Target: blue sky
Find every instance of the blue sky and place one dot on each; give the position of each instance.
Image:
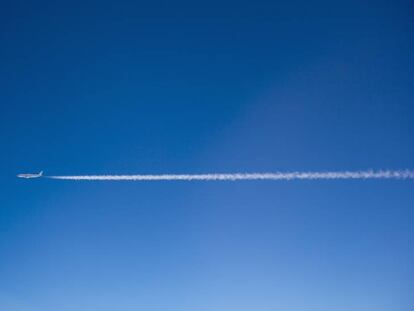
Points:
(187, 87)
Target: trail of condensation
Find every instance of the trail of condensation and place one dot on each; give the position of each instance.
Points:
(382, 174)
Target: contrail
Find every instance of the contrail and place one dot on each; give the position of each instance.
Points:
(369, 174)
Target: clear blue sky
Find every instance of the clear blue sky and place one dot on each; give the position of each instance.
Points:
(190, 87)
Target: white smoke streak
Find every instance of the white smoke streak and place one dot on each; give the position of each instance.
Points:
(382, 174)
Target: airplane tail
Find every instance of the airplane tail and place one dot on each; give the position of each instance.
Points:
(41, 173)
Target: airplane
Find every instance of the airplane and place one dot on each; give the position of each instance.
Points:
(30, 175)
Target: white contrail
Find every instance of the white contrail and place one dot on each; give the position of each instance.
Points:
(369, 174)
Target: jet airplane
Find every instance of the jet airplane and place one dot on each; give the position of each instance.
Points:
(30, 175)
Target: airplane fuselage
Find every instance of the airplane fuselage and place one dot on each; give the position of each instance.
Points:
(30, 175)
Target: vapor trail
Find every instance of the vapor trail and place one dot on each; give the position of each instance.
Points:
(369, 174)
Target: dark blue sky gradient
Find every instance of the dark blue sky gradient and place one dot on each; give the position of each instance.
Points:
(187, 87)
